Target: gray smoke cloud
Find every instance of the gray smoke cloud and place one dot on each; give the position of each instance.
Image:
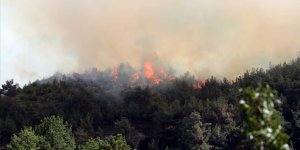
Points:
(220, 38)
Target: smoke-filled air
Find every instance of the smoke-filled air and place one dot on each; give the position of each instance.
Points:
(150, 75)
(205, 38)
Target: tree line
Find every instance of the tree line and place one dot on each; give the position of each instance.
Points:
(167, 116)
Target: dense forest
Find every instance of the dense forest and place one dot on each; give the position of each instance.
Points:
(158, 116)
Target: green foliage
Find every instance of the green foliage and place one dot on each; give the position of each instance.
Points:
(9, 89)
(117, 142)
(81, 135)
(95, 144)
(156, 113)
(262, 122)
(124, 126)
(296, 114)
(57, 133)
(51, 134)
(26, 139)
(195, 134)
(84, 130)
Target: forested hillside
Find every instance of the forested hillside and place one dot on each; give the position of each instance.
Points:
(151, 117)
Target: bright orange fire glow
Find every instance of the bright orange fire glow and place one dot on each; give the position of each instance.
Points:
(149, 73)
(152, 71)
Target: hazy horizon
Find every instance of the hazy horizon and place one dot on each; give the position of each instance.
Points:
(219, 38)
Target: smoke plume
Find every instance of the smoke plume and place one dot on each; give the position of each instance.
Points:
(220, 38)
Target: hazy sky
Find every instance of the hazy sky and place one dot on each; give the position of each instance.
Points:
(205, 37)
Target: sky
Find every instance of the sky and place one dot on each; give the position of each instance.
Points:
(222, 38)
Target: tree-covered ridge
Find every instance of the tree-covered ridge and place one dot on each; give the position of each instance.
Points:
(175, 115)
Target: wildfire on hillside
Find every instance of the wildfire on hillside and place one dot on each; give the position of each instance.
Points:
(151, 73)
(199, 85)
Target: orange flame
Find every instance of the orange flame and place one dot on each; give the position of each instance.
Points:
(155, 75)
(149, 73)
(199, 85)
(152, 73)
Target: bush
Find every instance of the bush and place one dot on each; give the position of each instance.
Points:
(51, 134)
(25, 139)
(57, 133)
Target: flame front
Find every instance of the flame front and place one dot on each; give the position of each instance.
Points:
(151, 73)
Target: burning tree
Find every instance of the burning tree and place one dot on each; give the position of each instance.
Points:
(151, 73)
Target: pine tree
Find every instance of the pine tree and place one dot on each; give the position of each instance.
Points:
(195, 134)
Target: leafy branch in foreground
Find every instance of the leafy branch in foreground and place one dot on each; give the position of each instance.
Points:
(262, 123)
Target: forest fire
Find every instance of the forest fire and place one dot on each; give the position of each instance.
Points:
(200, 84)
(149, 70)
(155, 74)
(151, 73)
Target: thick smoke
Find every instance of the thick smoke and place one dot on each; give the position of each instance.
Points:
(220, 38)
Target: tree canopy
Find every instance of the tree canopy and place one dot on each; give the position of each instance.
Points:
(153, 117)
